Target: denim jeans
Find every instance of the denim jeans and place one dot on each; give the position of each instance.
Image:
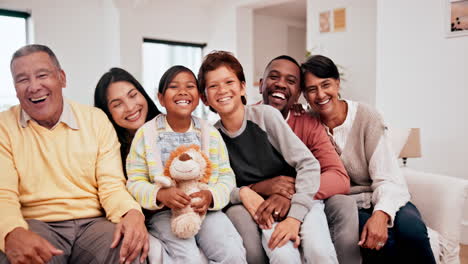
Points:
(168, 141)
(407, 240)
(316, 244)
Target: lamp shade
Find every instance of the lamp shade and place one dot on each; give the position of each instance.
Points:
(412, 147)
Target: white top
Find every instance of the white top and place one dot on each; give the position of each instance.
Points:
(390, 191)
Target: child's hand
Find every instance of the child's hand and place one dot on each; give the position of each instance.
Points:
(251, 201)
(285, 231)
(201, 205)
(173, 198)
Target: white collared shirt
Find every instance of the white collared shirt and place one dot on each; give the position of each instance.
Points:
(67, 117)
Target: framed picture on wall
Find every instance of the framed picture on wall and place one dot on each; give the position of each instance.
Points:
(456, 18)
(324, 22)
(339, 19)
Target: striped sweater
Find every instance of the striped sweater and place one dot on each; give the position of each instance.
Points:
(144, 164)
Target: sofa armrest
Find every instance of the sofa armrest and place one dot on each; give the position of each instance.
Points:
(440, 199)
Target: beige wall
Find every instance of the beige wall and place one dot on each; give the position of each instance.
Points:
(82, 34)
(273, 37)
(353, 49)
(423, 82)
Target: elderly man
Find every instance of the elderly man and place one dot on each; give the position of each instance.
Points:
(62, 175)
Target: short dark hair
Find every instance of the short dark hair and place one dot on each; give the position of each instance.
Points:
(321, 66)
(170, 74)
(213, 61)
(100, 101)
(291, 59)
(284, 57)
(33, 48)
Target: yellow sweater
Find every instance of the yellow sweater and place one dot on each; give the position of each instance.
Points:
(60, 174)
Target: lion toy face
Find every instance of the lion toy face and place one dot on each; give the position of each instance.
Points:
(189, 170)
(190, 165)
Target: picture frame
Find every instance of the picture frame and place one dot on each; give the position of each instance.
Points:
(456, 18)
(325, 22)
(332, 20)
(339, 19)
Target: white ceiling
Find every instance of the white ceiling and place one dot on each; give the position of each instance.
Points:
(296, 10)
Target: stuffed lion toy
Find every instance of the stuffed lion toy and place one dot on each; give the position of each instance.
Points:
(188, 169)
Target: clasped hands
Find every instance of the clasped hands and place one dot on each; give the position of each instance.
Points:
(279, 191)
(175, 198)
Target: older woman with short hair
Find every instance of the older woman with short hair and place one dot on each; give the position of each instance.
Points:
(391, 228)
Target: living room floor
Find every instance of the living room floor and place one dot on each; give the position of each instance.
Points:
(464, 254)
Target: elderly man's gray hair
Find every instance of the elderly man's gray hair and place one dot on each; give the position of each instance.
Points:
(33, 48)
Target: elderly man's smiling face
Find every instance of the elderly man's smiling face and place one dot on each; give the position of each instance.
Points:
(280, 85)
(38, 83)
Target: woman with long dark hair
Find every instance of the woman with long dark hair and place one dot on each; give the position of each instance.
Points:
(126, 104)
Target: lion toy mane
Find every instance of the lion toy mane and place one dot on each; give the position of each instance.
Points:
(188, 169)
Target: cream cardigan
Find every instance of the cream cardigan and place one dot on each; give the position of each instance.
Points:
(376, 178)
